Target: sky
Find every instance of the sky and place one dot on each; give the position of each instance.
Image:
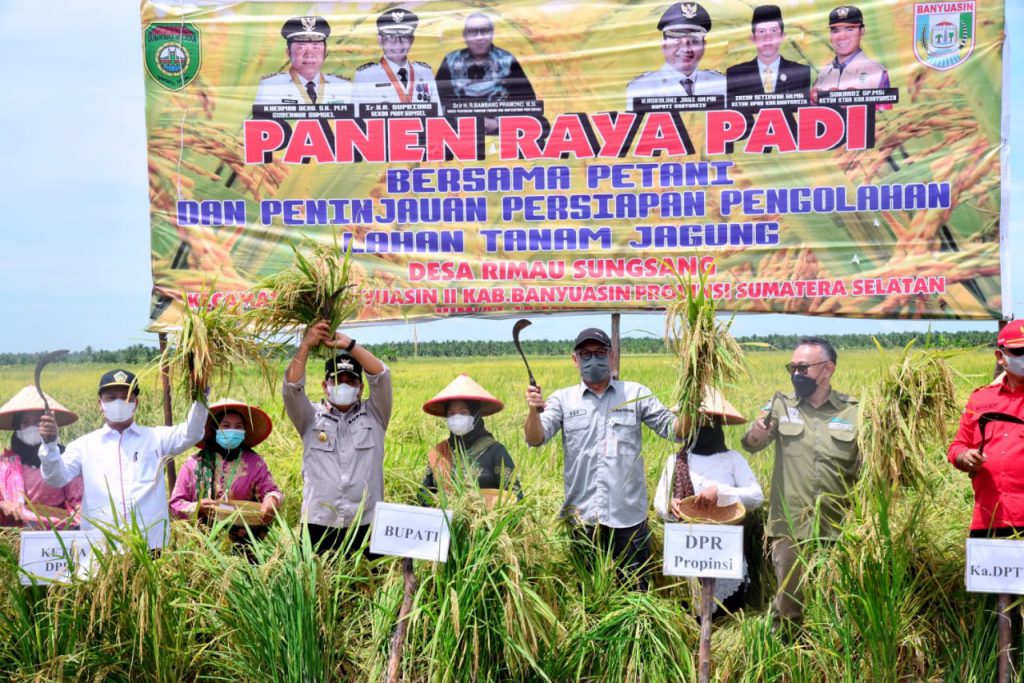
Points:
(74, 267)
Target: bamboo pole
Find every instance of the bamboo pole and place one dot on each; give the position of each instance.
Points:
(398, 638)
(165, 380)
(707, 608)
(616, 323)
(1004, 637)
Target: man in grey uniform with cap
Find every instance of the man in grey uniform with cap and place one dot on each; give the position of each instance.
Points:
(684, 27)
(304, 82)
(394, 78)
(605, 479)
(342, 439)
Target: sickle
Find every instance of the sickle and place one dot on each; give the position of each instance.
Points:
(42, 363)
(516, 329)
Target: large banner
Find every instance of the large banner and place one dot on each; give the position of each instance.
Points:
(495, 158)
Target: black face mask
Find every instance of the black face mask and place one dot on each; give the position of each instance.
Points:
(804, 385)
(710, 440)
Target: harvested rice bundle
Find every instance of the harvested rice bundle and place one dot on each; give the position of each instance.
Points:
(708, 355)
(318, 287)
(213, 341)
(908, 411)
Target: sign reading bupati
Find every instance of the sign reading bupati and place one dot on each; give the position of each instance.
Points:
(703, 550)
(410, 531)
(51, 556)
(995, 566)
(541, 157)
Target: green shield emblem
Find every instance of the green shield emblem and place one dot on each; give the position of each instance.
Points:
(172, 54)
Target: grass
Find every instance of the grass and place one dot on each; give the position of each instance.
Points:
(511, 603)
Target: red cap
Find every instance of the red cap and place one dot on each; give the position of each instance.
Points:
(1012, 335)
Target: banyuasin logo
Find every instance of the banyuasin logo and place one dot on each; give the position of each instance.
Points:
(943, 33)
(172, 54)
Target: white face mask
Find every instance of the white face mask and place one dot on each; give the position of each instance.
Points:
(30, 435)
(460, 424)
(118, 410)
(1014, 365)
(343, 394)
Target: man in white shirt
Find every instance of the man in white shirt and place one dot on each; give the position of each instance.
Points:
(684, 28)
(121, 463)
(305, 82)
(394, 78)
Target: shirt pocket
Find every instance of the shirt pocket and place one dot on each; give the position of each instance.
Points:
(844, 438)
(790, 430)
(361, 431)
(324, 436)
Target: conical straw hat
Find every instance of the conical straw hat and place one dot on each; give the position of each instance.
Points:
(28, 400)
(257, 423)
(725, 514)
(714, 403)
(463, 388)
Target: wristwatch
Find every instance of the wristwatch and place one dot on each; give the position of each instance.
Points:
(351, 345)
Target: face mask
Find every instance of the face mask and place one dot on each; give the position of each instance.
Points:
(460, 424)
(803, 385)
(343, 394)
(118, 410)
(230, 439)
(595, 370)
(30, 435)
(1014, 365)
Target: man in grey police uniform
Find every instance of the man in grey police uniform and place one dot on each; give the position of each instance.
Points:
(601, 421)
(304, 82)
(684, 28)
(393, 78)
(342, 439)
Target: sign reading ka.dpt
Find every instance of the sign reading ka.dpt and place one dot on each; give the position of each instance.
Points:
(410, 531)
(703, 550)
(995, 566)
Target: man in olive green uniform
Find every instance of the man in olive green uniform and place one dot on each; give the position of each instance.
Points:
(816, 462)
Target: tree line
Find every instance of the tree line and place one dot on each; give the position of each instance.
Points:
(137, 354)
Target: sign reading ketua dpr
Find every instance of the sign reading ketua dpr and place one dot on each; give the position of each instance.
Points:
(410, 531)
(704, 550)
(995, 566)
(52, 556)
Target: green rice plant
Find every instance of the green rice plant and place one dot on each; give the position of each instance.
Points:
(212, 343)
(482, 615)
(707, 355)
(317, 287)
(903, 414)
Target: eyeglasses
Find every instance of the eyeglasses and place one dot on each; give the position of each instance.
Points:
(801, 368)
(587, 355)
(478, 32)
(1013, 352)
(392, 39)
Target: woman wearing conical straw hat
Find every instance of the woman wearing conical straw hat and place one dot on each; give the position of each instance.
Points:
(226, 468)
(707, 482)
(25, 499)
(469, 448)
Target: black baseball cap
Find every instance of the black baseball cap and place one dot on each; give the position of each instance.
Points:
(119, 378)
(592, 334)
(343, 364)
(845, 14)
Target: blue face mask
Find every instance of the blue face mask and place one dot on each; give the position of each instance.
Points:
(230, 439)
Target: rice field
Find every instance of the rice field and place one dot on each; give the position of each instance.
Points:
(887, 601)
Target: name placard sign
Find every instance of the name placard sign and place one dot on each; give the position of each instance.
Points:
(995, 566)
(410, 531)
(703, 550)
(50, 556)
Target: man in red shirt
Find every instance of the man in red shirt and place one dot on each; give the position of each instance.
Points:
(990, 442)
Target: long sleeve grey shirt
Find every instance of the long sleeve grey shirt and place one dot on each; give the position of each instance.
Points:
(602, 436)
(342, 453)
